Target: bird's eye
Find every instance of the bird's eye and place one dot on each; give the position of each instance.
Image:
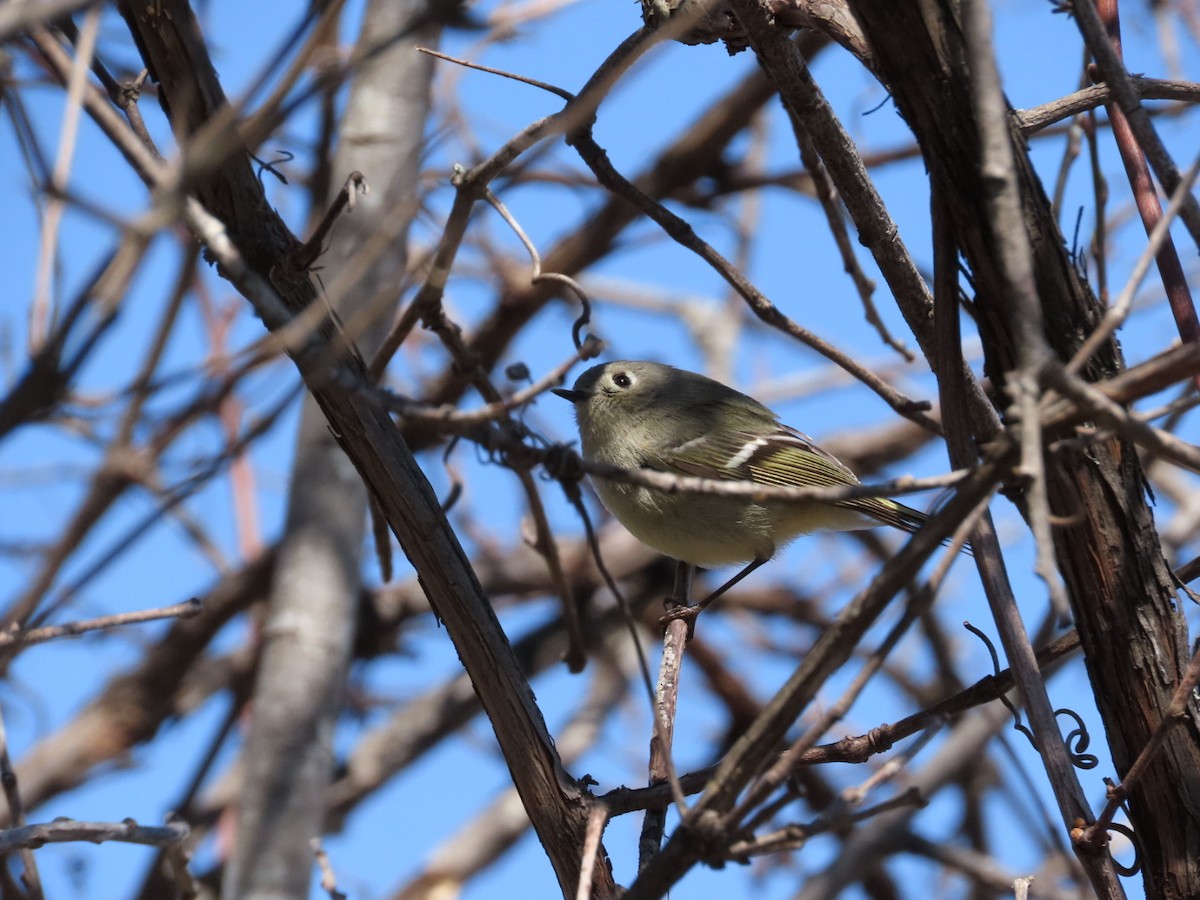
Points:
(622, 380)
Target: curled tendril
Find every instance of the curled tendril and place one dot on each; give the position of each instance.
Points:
(510, 443)
(456, 483)
(584, 318)
(991, 649)
(1136, 865)
(987, 642)
(1077, 740)
(263, 166)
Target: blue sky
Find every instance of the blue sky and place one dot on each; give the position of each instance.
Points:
(389, 837)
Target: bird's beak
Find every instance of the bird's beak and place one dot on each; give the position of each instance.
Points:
(572, 396)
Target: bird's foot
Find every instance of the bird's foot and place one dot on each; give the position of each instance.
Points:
(687, 614)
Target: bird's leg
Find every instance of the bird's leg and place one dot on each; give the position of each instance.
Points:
(681, 592)
(689, 613)
(681, 595)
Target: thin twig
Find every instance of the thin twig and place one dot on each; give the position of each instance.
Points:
(860, 748)
(356, 183)
(16, 813)
(1075, 131)
(42, 309)
(1125, 98)
(533, 82)
(681, 232)
(921, 600)
(1116, 314)
(1100, 196)
(575, 498)
(546, 546)
(666, 703)
(17, 638)
(831, 205)
(328, 877)
(538, 275)
(1031, 121)
(453, 416)
(793, 837)
(597, 819)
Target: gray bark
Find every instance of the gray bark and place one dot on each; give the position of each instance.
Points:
(309, 632)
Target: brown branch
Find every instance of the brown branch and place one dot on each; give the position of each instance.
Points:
(876, 230)
(1033, 120)
(373, 444)
(356, 183)
(831, 206)
(1132, 646)
(131, 707)
(18, 638)
(1096, 835)
(664, 709)
(832, 649)
(16, 815)
(858, 748)
(690, 157)
(1126, 100)
(1107, 49)
(919, 602)
(62, 831)
(680, 231)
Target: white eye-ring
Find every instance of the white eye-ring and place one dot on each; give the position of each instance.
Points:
(622, 380)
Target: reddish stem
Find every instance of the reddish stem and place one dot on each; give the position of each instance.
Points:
(1146, 197)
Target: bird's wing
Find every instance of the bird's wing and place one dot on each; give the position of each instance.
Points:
(783, 457)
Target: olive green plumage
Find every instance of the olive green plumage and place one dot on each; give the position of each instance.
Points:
(636, 414)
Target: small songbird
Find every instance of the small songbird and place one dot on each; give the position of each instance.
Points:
(635, 415)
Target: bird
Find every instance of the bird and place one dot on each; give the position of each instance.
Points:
(637, 414)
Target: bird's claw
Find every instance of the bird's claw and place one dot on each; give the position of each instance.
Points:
(686, 614)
